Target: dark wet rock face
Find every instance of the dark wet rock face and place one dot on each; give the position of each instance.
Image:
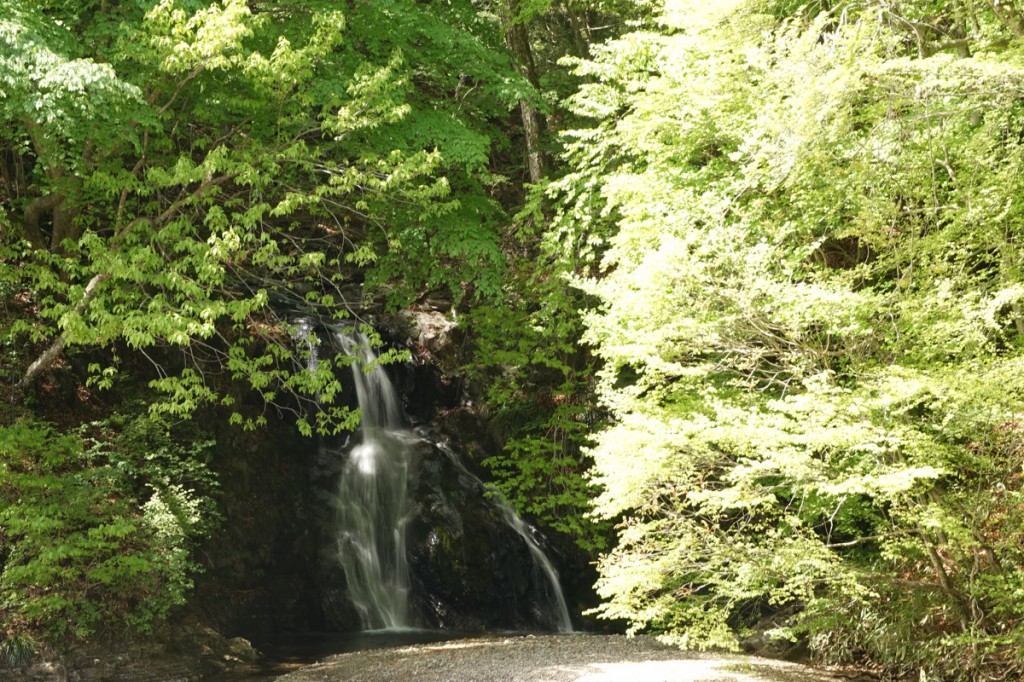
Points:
(259, 566)
(471, 570)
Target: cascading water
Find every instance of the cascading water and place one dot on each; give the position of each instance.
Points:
(375, 506)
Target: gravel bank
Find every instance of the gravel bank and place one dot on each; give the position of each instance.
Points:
(550, 658)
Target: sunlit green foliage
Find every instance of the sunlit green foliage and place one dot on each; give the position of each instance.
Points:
(98, 527)
(778, 274)
(178, 180)
(182, 174)
(809, 317)
(540, 397)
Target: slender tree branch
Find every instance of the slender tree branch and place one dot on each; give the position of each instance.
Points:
(48, 357)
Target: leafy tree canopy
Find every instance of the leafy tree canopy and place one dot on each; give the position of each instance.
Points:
(806, 236)
(175, 173)
(179, 179)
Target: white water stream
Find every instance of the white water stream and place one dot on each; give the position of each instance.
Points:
(374, 508)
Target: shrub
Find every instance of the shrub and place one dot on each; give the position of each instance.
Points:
(97, 530)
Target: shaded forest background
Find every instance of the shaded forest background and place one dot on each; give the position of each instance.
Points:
(738, 289)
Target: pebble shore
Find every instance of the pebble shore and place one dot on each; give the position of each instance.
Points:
(551, 658)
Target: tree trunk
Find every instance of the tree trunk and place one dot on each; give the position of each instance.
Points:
(64, 226)
(33, 216)
(578, 37)
(518, 40)
(1009, 16)
(532, 125)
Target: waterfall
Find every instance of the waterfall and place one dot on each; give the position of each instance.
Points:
(374, 503)
(374, 507)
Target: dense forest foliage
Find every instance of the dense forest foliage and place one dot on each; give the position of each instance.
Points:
(741, 283)
(809, 316)
(177, 179)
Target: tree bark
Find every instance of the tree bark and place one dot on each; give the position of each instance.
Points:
(64, 226)
(531, 129)
(579, 38)
(33, 215)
